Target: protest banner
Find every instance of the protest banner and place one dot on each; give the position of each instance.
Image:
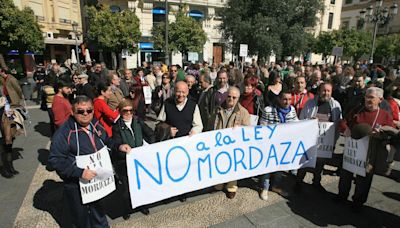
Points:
(170, 168)
(104, 183)
(326, 139)
(355, 155)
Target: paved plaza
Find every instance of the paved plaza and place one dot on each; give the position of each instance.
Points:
(34, 199)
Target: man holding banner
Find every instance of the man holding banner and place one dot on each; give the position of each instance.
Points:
(80, 157)
(374, 117)
(326, 109)
(231, 114)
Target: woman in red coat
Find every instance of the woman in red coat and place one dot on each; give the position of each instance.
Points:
(102, 111)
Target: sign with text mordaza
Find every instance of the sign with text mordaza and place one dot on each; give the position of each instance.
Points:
(355, 155)
(186, 164)
(326, 139)
(104, 183)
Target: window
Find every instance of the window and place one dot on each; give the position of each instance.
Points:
(333, 2)
(345, 25)
(360, 24)
(348, 2)
(330, 21)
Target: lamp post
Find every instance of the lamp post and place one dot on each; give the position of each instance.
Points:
(166, 33)
(378, 15)
(75, 30)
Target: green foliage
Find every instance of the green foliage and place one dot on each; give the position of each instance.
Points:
(267, 25)
(184, 35)
(388, 46)
(355, 43)
(113, 31)
(18, 29)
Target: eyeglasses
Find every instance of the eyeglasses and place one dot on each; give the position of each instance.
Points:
(82, 111)
(174, 71)
(232, 97)
(125, 111)
(165, 78)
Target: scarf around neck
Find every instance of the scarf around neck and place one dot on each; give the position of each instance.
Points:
(282, 112)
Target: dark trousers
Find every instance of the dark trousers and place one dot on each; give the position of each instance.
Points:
(317, 171)
(89, 215)
(363, 184)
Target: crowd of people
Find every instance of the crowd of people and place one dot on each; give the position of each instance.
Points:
(96, 106)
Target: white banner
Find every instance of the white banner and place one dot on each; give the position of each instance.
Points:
(355, 155)
(170, 168)
(326, 139)
(243, 50)
(104, 183)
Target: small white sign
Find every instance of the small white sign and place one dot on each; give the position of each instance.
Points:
(253, 120)
(193, 56)
(243, 50)
(326, 139)
(104, 183)
(355, 155)
(337, 51)
(147, 94)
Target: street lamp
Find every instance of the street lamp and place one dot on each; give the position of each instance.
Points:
(379, 15)
(166, 33)
(75, 30)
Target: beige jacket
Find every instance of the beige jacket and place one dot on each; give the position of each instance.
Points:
(239, 117)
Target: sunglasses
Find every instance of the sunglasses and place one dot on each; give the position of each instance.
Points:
(82, 111)
(165, 77)
(127, 110)
(232, 97)
(174, 71)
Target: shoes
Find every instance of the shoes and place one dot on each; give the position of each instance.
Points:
(264, 194)
(182, 198)
(230, 195)
(126, 217)
(5, 173)
(319, 187)
(12, 169)
(145, 211)
(280, 191)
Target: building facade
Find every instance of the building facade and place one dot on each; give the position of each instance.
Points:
(328, 20)
(151, 12)
(351, 17)
(56, 18)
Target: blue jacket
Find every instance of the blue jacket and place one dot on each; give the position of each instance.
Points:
(63, 148)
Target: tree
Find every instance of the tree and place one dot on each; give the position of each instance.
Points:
(388, 46)
(184, 35)
(270, 25)
(113, 31)
(325, 44)
(19, 29)
(355, 43)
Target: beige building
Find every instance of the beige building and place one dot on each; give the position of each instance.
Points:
(55, 18)
(151, 12)
(351, 16)
(328, 20)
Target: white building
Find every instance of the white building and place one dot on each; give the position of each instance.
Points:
(328, 20)
(151, 12)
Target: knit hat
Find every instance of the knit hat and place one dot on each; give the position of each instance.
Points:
(360, 130)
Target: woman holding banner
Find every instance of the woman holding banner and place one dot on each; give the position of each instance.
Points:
(130, 130)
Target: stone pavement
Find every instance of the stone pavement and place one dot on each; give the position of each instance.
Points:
(43, 203)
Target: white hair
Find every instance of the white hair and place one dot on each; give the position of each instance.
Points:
(375, 90)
